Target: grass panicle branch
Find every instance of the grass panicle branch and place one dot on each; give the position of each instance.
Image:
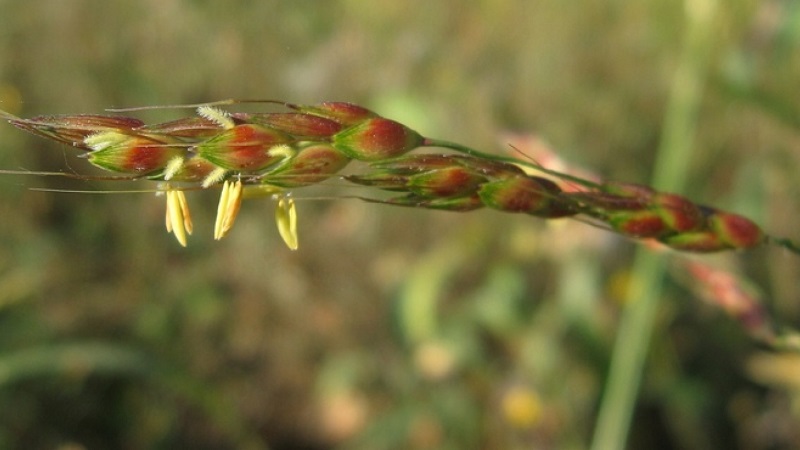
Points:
(309, 144)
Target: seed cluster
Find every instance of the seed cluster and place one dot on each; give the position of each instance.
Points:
(464, 183)
(273, 152)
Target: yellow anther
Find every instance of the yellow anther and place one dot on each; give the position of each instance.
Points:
(178, 218)
(230, 201)
(286, 219)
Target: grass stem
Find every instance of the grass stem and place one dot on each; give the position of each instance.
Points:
(642, 302)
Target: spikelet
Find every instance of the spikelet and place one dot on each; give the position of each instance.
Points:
(135, 154)
(376, 139)
(244, 148)
(311, 165)
(72, 130)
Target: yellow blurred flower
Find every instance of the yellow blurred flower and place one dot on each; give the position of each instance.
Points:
(521, 407)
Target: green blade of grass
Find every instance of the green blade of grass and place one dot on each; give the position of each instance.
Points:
(638, 317)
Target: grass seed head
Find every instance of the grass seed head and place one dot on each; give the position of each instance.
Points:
(271, 151)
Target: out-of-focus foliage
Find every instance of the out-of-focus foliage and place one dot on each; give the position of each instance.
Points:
(389, 328)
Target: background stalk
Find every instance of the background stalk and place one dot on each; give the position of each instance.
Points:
(642, 298)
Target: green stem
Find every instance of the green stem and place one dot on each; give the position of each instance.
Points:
(638, 318)
(788, 244)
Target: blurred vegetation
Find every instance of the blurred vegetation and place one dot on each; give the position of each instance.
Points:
(390, 327)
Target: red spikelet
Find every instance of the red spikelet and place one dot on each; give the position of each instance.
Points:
(243, 148)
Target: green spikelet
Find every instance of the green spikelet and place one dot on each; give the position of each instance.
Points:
(525, 194)
(312, 164)
(377, 139)
(246, 148)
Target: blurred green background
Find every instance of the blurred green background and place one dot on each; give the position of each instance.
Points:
(390, 328)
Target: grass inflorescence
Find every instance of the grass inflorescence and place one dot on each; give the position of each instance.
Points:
(278, 152)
